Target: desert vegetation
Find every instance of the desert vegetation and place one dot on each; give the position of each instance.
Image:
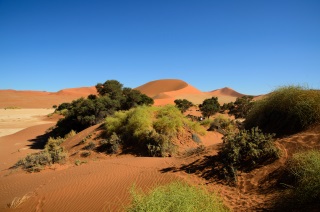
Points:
(176, 196)
(183, 104)
(151, 129)
(301, 178)
(246, 150)
(209, 107)
(286, 110)
(53, 153)
(85, 112)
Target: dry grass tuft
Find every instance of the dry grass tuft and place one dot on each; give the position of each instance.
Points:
(17, 201)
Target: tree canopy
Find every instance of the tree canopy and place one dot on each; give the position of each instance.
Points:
(85, 112)
(183, 104)
(209, 107)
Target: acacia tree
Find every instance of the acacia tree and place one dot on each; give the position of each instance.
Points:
(242, 106)
(111, 88)
(209, 107)
(183, 104)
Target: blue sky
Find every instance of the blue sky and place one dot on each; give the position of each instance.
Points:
(252, 46)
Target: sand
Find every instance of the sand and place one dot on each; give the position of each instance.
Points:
(14, 120)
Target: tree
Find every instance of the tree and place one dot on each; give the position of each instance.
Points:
(111, 88)
(183, 104)
(133, 98)
(209, 107)
(242, 106)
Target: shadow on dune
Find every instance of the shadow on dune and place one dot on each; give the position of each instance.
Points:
(40, 141)
(207, 167)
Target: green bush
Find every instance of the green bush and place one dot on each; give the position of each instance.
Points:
(52, 153)
(176, 196)
(151, 129)
(223, 125)
(112, 145)
(85, 154)
(90, 146)
(246, 150)
(304, 168)
(287, 110)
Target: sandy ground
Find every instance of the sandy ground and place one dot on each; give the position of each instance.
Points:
(14, 120)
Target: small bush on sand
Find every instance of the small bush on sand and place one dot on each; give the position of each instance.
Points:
(303, 170)
(85, 154)
(246, 150)
(176, 196)
(90, 146)
(52, 153)
(223, 125)
(287, 110)
(112, 145)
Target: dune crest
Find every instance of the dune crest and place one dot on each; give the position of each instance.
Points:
(156, 87)
(83, 91)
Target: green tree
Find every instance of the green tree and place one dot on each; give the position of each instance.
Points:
(111, 88)
(209, 107)
(242, 106)
(183, 104)
(133, 98)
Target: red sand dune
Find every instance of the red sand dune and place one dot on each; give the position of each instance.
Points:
(82, 91)
(156, 87)
(167, 90)
(226, 91)
(41, 99)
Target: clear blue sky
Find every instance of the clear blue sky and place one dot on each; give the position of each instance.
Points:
(252, 46)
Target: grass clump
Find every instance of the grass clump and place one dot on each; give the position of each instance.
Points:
(176, 196)
(150, 129)
(285, 111)
(303, 170)
(246, 150)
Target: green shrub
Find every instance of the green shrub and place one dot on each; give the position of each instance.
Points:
(85, 154)
(151, 129)
(287, 110)
(112, 145)
(176, 196)
(169, 121)
(241, 107)
(246, 150)
(52, 153)
(205, 122)
(304, 168)
(90, 146)
(223, 125)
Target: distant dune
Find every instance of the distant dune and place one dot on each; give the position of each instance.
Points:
(226, 92)
(41, 99)
(83, 91)
(156, 87)
(167, 90)
(163, 91)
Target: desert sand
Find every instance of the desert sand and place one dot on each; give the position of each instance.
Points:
(103, 182)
